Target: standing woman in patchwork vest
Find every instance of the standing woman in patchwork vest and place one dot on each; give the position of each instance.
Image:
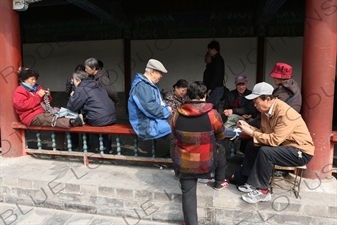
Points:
(196, 127)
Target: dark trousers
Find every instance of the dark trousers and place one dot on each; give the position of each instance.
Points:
(189, 188)
(45, 120)
(259, 161)
(215, 97)
(170, 140)
(94, 138)
(74, 140)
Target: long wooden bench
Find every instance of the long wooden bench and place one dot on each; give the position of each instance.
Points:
(121, 129)
(116, 129)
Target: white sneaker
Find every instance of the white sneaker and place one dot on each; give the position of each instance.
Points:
(256, 196)
(246, 188)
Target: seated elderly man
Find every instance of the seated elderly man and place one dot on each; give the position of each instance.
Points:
(283, 139)
(93, 100)
(148, 112)
(236, 106)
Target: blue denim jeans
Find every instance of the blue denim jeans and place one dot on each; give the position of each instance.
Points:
(230, 133)
(215, 96)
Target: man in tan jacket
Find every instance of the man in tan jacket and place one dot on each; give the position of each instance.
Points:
(283, 139)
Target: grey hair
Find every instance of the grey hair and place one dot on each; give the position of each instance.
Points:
(80, 75)
(92, 63)
(147, 69)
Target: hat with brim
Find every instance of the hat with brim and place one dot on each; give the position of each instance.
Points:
(156, 65)
(282, 71)
(259, 89)
(240, 79)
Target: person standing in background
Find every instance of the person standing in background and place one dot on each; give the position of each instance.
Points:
(215, 75)
(93, 68)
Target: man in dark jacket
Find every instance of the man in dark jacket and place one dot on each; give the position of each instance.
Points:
(214, 75)
(99, 74)
(92, 99)
(236, 106)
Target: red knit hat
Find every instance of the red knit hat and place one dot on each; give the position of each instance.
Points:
(282, 71)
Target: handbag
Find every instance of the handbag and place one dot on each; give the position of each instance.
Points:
(66, 113)
(63, 113)
(57, 112)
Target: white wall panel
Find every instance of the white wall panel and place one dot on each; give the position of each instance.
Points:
(183, 58)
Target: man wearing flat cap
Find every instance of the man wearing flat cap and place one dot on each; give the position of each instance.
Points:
(148, 113)
(283, 139)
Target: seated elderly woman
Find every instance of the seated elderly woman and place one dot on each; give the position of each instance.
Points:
(93, 100)
(31, 102)
(31, 99)
(177, 96)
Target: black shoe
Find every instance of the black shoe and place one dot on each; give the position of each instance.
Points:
(77, 122)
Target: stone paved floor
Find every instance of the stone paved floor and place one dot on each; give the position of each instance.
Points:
(133, 185)
(15, 214)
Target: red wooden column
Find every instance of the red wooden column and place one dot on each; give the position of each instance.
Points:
(10, 60)
(319, 67)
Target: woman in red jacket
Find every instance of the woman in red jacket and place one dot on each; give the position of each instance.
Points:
(29, 104)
